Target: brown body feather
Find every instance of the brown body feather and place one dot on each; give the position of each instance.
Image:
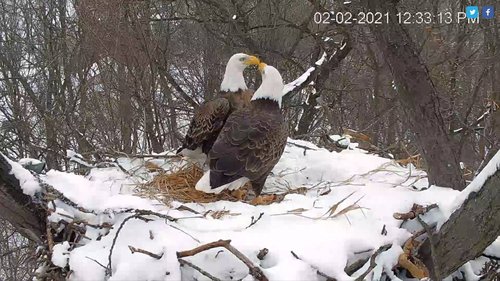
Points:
(210, 117)
(250, 144)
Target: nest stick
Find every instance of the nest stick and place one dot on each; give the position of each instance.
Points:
(255, 271)
(210, 276)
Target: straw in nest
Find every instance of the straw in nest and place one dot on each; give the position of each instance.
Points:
(179, 185)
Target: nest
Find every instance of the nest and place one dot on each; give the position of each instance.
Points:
(179, 185)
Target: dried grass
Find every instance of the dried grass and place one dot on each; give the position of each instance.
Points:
(179, 185)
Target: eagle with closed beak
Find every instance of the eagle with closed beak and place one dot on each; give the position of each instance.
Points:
(210, 117)
(251, 141)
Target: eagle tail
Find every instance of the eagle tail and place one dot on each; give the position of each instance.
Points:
(203, 184)
(209, 184)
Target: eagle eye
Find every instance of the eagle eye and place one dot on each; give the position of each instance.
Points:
(242, 59)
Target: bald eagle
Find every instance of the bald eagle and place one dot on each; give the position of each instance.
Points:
(251, 141)
(210, 117)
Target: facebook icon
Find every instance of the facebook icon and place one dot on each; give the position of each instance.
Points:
(488, 12)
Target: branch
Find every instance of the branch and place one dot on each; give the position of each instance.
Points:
(372, 262)
(210, 276)
(19, 209)
(109, 269)
(470, 229)
(254, 221)
(192, 252)
(319, 72)
(255, 271)
(328, 278)
(179, 89)
(142, 251)
(414, 212)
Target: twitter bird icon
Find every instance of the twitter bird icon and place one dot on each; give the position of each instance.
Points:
(472, 12)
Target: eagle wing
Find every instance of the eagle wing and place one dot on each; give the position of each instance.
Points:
(206, 124)
(249, 145)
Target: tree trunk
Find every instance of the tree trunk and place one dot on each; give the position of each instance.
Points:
(18, 208)
(419, 98)
(320, 76)
(126, 110)
(467, 233)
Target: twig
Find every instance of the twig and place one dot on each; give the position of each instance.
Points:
(414, 212)
(427, 228)
(141, 212)
(138, 215)
(186, 208)
(109, 270)
(76, 221)
(262, 253)
(254, 221)
(125, 171)
(210, 276)
(50, 238)
(147, 155)
(220, 251)
(188, 253)
(384, 231)
(192, 237)
(255, 271)
(301, 146)
(142, 251)
(372, 262)
(491, 257)
(98, 263)
(328, 278)
(355, 266)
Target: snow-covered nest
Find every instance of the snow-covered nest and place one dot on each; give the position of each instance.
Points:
(344, 214)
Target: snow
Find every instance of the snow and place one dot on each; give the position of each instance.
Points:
(299, 81)
(323, 238)
(60, 254)
(321, 60)
(386, 261)
(343, 46)
(28, 182)
(494, 249)
(77, 158)
(28, 161)
(344, 141)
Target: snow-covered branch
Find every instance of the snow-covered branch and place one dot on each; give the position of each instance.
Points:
(471, 228)
(329, 60)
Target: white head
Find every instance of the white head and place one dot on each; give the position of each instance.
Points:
(272, 84)
(233, 77)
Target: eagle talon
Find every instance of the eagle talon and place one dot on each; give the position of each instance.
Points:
(239, 194)
(265, 199)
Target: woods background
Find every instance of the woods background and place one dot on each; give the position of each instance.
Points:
(106, 76)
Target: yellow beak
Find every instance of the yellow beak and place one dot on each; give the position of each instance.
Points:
(252, 60)
(262, 66)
